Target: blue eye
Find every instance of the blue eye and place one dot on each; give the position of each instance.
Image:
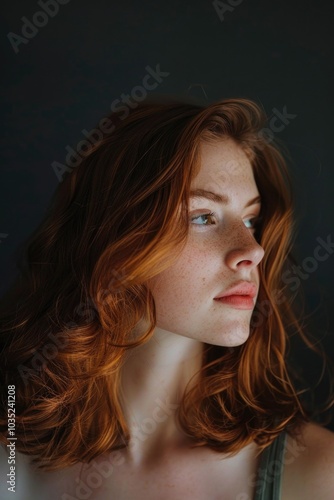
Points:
(252, 223)
(249, 223)
(203, 218)
(209, 220)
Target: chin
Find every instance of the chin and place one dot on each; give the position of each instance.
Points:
(237, 337)
(238, 342)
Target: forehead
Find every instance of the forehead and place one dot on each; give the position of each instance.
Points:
(224, 166)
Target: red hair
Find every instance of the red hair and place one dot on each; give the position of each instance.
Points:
(115, 222)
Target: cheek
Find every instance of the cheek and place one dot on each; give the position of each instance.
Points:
(184, 281)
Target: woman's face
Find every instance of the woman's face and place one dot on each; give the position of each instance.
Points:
(220, 253)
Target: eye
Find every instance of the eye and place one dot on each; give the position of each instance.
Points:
(252, 223)
(202, 219)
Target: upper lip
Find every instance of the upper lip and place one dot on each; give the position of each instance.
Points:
(241, 288)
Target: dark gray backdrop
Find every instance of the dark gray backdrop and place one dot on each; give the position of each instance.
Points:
(62, 77)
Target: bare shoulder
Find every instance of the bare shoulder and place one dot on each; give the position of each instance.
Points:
(309, 464)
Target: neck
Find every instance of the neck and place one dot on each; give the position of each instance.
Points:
(154, 378)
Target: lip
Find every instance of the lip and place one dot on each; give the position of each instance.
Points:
(245, 288)
(239, 296)
(238, 301)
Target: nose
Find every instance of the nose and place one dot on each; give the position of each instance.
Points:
(244, 251)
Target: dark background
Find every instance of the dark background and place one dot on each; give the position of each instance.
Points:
(66, 77)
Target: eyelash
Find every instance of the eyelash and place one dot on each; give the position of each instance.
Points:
(210, 214)
(254, 220)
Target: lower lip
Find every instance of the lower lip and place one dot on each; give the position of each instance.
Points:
(238, 301)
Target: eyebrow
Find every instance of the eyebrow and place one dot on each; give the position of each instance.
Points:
(219, 198)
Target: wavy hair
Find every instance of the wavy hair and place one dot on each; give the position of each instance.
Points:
(115, 222)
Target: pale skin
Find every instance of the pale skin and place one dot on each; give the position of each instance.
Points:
(159, 463)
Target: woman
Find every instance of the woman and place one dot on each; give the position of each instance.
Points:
(147, 335)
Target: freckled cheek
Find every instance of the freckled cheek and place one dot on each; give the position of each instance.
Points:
(185, 281)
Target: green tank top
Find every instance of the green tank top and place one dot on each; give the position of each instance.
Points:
(269, 473)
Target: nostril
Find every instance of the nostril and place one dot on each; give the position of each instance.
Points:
(245, 262)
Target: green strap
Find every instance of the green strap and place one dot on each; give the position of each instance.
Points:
(269, 474)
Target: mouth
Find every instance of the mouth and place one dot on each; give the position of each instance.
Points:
(242, 295)
(238, 301)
